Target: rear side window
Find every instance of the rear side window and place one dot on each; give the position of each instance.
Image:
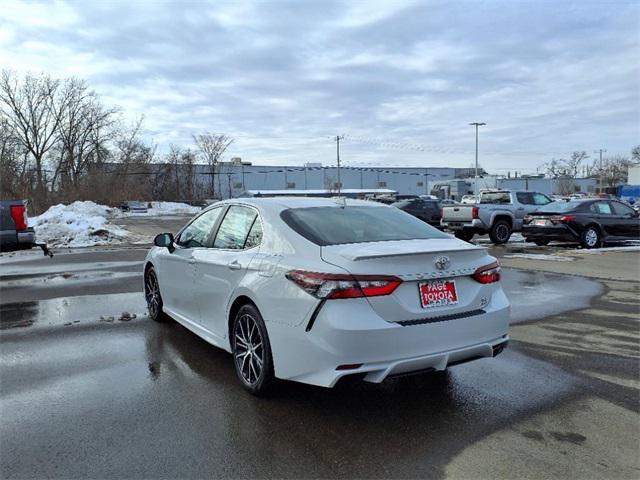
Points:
(255, 235)
(198, 231)
(602, 208)
(356, 224)
(524, 198)
(235, 227)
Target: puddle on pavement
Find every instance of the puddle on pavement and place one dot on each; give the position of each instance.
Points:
(33, 270)
(535, 295)
(71, 311)
(66, 278)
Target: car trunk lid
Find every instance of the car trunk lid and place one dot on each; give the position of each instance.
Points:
(415, 262)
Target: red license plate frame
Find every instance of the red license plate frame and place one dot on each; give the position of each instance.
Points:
(438, 293)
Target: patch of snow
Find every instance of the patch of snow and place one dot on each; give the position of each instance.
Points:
(172, 208)
(80, 224)
(632, 248)
(514, 238)
(536, 256)
(162, 209)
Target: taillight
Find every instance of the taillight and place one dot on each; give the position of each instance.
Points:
(19, 215)
(488, 273)
(331, 285)
(475, 212)
(562, 219)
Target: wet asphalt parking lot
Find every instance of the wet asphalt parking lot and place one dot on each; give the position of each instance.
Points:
(88, 393)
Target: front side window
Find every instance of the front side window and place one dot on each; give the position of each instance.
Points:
(235, 227)
(540, 199)
(355, 224)
(622, 209)
(198, 231)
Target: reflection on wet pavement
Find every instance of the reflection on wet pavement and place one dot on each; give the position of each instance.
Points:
(535, 295)
(70, 310)
(159, 388)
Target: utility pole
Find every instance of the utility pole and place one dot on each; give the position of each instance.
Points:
(601, 151)
(477, 124)
(337, 139)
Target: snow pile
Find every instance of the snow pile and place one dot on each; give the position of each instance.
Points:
(80, 224)
(172, 208)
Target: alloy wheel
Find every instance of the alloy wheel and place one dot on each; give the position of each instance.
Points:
(591, 237)
(152, 293)
(248, 349)
(502, 232)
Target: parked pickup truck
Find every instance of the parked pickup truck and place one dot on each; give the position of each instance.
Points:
(15, 233)
(498, 213)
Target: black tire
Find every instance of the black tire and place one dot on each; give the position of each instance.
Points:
(591, 237)
(153, 297)
(462, 235)
(541, 242)
(248, 330)
(500, 232)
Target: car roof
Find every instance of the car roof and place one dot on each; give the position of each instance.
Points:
(300, 202)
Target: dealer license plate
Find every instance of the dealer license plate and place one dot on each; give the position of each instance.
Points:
(438, 293)
(542, 222)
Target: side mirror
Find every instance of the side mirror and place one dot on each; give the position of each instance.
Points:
(164, 240)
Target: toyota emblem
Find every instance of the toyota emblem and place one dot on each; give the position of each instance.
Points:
(442, 263)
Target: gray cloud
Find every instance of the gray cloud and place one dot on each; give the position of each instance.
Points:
(547, 77)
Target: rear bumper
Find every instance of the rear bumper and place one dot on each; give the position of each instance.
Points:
(23, 240)
(349, 332)
(556, 232)
(26, 239)
(475, 225)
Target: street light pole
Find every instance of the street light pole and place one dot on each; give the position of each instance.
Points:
(601, 151)
(338, 138)
(476, 124)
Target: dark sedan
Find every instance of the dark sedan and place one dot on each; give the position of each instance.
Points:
(425, 209)
(588, 222)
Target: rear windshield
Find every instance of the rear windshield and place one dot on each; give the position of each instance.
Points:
(356, 224)
(495, 197)
(560, 206)
(402, 203)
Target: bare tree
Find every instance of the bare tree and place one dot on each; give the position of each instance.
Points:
(635, 154)
(32, 108)
(212, 147)
(13, 164)
(84, 128)
(562, 167)
(612, 171)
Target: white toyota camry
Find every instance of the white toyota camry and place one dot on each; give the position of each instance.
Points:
(312, 290)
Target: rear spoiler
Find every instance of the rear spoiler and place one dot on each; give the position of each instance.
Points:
(357, 252)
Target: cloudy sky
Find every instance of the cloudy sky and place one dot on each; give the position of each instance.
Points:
(401, 80)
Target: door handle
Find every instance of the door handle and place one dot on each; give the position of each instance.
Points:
(192, 261)
(234, 265)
